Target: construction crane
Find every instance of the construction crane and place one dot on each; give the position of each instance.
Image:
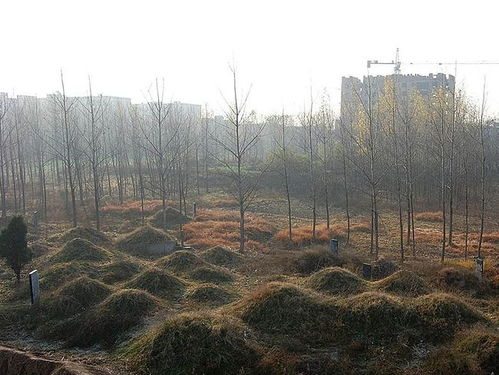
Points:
(397, 63)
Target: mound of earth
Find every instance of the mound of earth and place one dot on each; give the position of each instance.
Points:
(211, 274)
(376, 314)
(174, 219)
(89, 234)
(315, 259)
(181, 261)
(336, 281)
(158, 283)
(195, 344)
(455, 279)
(76, 296)
(107, 322)
(222, 256)
(60, 273)
(80, 249)
(144, 240)
(210, 294)
(120, 270)
(287, 309)
(473, 351)
(445, 314)
(403, 283)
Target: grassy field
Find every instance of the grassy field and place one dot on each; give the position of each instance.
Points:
(282, 307)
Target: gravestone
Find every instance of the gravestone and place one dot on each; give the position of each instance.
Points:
(194, 209)
(35, 219)
(367, 271)
(333, 246)
(34, 286)
(479, 267)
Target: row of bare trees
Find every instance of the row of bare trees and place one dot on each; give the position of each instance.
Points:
(391, 151)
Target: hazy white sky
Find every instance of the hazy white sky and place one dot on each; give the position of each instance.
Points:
(281, 47)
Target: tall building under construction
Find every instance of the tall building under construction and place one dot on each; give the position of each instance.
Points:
(355, 92)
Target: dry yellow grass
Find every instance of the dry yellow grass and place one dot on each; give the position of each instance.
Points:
(433, 216)
(134, 207)
(221, 228)
(303, 235)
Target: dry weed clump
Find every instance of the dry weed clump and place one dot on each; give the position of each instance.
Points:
(403, 283)
(303, 235)
(139, 240)
(210, 294)
(195, 344)
(158, 283)
(221, 228)
(79, 249)
(434, 216)
(222, 256)
(173, 219)
(336, 281)
(112, 318)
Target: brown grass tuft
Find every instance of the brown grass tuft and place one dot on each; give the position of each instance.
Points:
(434, 217)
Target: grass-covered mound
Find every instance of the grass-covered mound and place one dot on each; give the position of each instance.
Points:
(173, 219)
(287, 309)
(210, 294)
(458, 279)
(445, 314)
(158, 283)
(76, 296)
(195, 344)
(59, 273)
(89, 234)
(474, 351)
(109, 320)
(211, 274)
(313, 260)
(120, 270)
(181, 261)
(376, 315)
(337, 281)
(222, 256)
(80, 249)
(403, 283)
(138, 241)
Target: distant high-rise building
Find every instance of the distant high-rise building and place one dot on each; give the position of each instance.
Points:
(355, 93)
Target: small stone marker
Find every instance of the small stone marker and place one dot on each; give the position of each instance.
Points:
(181, 235)
(194, 209)
(35, 218)
(34, 286)
(367, 271)
(479, 267)
(333, 246)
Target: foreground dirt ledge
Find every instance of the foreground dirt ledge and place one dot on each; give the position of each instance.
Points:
(16, 362)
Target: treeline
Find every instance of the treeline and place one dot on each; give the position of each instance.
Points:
(64, 155)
